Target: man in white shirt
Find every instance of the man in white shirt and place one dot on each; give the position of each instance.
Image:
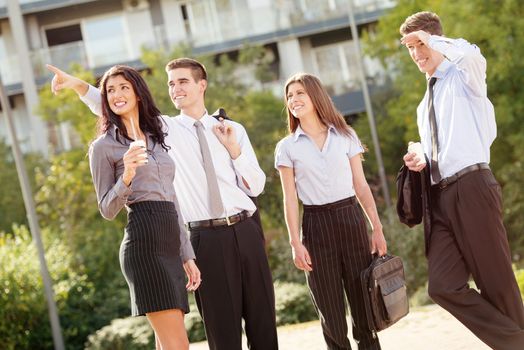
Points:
(456, 123)
(228, 243)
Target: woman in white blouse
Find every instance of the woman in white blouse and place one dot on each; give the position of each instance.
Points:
(320, 163)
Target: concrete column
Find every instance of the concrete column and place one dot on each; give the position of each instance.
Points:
(290, 57)
(173, 22)
(38, 128)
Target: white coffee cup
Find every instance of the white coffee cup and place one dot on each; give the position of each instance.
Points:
(142, 144)
(416, 147)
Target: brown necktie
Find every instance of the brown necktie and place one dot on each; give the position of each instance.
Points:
(215, 201)
(435, 173)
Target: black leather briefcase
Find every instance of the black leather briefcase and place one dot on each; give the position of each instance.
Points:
(384, 289)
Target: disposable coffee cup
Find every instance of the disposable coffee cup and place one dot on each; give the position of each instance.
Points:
(416, 147)
(142, 144)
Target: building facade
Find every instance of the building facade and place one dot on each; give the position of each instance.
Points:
(304, 35)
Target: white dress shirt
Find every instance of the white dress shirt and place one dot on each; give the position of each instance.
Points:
(190, 179)
(464, 114)
(321, 176)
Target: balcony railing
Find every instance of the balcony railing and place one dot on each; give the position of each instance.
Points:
(208, 24)
(213, 24)
(61, 56)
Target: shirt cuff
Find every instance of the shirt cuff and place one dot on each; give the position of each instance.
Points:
(121, 190)
(187, 253)
(91, 95)
(283, 163)
(445, 46)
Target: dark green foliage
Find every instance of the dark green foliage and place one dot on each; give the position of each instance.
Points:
(293, 303)
(11, 202)
(194, 326)
(132, 333)
(281, 260)
(193, 321)
(23, 310)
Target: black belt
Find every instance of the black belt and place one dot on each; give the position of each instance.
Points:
(227, 221)
(453, 178)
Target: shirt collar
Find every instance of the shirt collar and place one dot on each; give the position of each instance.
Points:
(189, 122)
(441, 70)
(299, 131)
(114, 131)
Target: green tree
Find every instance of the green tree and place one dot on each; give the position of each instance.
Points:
(11, 201)
(490, 25)
(24, 321)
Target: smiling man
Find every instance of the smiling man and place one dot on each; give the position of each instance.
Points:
(216, 173)
(456, 123)
(228, 243)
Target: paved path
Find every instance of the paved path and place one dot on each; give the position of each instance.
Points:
(428, 327)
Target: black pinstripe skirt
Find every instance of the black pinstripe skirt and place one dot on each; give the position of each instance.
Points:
(150, 258)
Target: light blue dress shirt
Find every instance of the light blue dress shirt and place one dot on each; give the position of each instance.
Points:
(321, 176)
(465, 116)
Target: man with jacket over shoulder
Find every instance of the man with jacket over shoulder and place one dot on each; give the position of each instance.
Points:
(456, 123)
(217, 173)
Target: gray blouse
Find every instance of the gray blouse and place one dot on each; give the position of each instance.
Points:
(152, 182)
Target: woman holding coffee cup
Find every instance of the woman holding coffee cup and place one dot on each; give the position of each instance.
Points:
(131, 168)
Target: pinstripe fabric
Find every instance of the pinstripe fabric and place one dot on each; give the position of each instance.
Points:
(336, 238)
(150, 259)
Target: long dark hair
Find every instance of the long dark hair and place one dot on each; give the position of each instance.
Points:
(326, 110)
(148, 112)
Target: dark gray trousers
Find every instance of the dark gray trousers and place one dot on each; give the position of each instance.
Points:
(468, 239)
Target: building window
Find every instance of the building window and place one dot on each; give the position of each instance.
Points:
(337, 67)
(105, 40)
(63, 35)
(65, 46)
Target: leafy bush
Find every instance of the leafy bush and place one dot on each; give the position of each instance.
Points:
(420, 297)
(194, 324)
(24, 320)
(11, 200)
(293, 303)
(281, 261)
(131, 333)
(135, 332)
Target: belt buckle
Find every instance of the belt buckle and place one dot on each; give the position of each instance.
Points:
(228, 221)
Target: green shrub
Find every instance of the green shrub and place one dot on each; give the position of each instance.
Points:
(293, 303)
(194, 325)
(135, 332)
(281, 261)
(24, 320)
(420, 297)
(132, 333)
